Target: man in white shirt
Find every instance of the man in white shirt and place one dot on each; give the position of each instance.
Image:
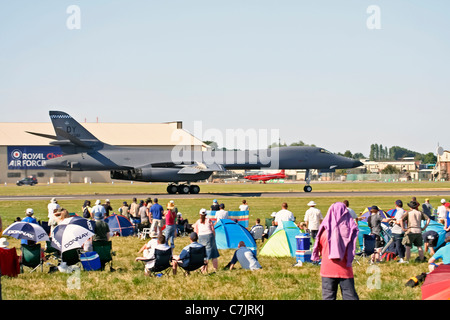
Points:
(99, 208)
(149, 251)
(442, 212)
(313, 219)
(52, 207)
(243, 206)
(283, 215)
(221, 214)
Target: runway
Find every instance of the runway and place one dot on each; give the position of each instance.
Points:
(312, 195)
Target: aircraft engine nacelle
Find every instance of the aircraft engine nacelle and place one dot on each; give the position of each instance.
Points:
(150, 174)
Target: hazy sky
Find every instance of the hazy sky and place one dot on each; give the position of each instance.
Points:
(311, 69)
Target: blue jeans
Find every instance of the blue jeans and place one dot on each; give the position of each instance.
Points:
(399, 247)
(170, 234)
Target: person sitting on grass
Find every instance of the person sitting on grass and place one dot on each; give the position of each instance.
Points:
(443, 253)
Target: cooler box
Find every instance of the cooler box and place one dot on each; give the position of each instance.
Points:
(303, 255)
(90, 261)
(303, 241)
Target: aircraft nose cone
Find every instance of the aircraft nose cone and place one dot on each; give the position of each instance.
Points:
(357, 163)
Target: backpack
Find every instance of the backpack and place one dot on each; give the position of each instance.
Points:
(86, 213)
(388, 256)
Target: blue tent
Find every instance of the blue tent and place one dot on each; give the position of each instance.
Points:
(230, 233)
(120, 224)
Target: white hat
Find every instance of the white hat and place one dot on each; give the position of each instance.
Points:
(311, 203)
(273, 214)
(53, 200)
(202, 211)
(107, 200)
(442, 200)
(97, 202)
(3, 243)
(30, 211)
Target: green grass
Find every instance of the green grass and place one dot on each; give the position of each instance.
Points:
(278, 280)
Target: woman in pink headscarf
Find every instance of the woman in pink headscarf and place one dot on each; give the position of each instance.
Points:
(335, 244)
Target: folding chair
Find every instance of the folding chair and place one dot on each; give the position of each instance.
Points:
(144, 233)
(104, 250)
(368, 247)
(257, 232)
(51, 251)
(31, 257)
(197, 258)
(163, 262)
(71, 257)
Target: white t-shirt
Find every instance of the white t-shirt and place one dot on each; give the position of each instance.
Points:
(221, 214)
(51, 207)
(313, 217)
(441, 212)
(284, 215)
(243, 207)
(397, 229)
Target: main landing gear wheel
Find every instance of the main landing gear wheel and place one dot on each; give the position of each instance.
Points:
(307, 188)
(172, 189)
(183, 189)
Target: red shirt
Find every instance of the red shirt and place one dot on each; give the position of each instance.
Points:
(170, 218)
(332, 268)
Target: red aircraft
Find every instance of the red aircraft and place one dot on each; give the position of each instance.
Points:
(266, 177)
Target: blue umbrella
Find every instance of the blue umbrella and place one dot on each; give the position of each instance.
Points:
(120, 224)
(26, 231)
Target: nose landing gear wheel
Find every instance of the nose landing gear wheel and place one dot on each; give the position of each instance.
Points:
(307, 188)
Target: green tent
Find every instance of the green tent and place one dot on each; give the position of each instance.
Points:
(282, 242)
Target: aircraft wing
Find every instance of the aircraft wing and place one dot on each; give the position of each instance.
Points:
(201, 167)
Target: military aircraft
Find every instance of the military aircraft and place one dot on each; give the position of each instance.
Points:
(266, 177)
(82, 151)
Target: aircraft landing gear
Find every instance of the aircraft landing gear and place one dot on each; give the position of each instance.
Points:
(183, 189)
(307, 188)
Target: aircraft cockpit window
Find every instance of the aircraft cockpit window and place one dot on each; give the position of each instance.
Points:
(324, 151)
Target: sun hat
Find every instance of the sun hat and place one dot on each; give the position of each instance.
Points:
(202, 212)
(30, 211)
(413, 204)
(98, 215)
(311, 204)
(97, 202)
(273, 214)
(442, 200)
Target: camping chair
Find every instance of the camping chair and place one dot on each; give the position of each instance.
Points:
(163, 262)
(257, 232)
(269, 222)
(71, 257)
(144, 233)
(197, 258)
(368, 246)
(31, 257)
(51, 251)
(104, 250)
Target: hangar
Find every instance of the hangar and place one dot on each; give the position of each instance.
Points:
(22, 154)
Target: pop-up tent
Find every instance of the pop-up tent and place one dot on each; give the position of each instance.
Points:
(230, 233)
(120, 224)
(282, 242)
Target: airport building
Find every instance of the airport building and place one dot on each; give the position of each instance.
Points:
(22, 154)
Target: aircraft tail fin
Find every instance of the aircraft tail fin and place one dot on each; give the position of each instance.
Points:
(71, 136)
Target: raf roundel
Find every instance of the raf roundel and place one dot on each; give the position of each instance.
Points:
(16, 154)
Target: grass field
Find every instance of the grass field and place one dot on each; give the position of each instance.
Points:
(278, 280)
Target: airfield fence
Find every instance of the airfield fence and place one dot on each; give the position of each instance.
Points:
(375, 177)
